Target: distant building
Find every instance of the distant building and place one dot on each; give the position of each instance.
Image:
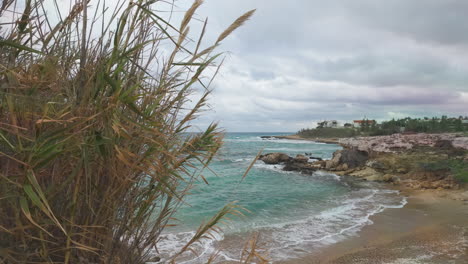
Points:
(328, 123)
(360, 123)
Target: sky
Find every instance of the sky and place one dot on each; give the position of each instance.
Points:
(299, 62)
(302, 61)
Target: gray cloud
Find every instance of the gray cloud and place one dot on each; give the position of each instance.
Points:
(297, 62)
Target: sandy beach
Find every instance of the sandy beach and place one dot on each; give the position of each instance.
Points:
(429, 229)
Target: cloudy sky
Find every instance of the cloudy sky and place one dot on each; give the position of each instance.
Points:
(297, 62)
(301, 61)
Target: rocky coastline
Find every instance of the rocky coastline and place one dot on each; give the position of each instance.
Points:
(416, 161)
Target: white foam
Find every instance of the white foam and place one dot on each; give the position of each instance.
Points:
(324, 174)
(274, 167)
(345, 217)
(171, 243)
(293, 238)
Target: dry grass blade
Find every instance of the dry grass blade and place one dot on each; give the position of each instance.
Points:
(239, 22)
(251, 164)
(95, 154)
(251, 252)
(189, 14)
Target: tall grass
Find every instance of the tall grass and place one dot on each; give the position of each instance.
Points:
(94, 109)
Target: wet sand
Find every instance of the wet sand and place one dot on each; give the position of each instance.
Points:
(429, 229)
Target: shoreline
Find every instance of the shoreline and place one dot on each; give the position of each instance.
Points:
(428, 229)
(431, 228)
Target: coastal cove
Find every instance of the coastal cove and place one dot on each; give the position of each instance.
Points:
(318, 217)
(294, 214)
(120, 142)
(431, 228)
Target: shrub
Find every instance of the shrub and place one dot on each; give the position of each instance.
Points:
(94, 110)
(458, 168)
(328, 132)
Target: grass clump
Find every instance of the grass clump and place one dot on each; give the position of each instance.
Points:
(94, 109)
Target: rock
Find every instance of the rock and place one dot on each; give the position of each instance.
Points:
(303, 167)
(315, 158)
(274, 158)
(368, 174)
(389, 178)
(342, 167)
(320, 163)
(442, 143)
(335, 161)
(354, 158)
(402, 170)
(300, 158)
(375, 164)
(351, 157)
(373, 178)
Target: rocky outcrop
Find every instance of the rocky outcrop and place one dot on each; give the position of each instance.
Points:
(368, 174)
(400, 142)
(347, 159)
(299, 163)
(414, 161)
(421, 161)
(274, 158)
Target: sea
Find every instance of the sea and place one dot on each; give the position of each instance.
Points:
(292, 214)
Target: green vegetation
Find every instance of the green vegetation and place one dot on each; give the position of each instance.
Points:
(94, 106)
(328, 132)
(443, 124)
(420, 125)
(457, 167)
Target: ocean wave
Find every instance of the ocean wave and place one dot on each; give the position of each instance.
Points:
(329, 226)
(346, 217)
(171, 243)
(274, 167)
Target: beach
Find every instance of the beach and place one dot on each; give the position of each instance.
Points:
(310, 215)
(430, 228)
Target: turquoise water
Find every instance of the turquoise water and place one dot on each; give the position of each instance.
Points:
(294, 213)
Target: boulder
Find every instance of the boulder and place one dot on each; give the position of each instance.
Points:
(389, 178)
(319, 164)
(274, 158)
(342, 167)
(351, 157)
(335, 161)
(303, 167)
(300, 158)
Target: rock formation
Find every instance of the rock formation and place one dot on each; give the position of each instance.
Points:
(420, 161)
